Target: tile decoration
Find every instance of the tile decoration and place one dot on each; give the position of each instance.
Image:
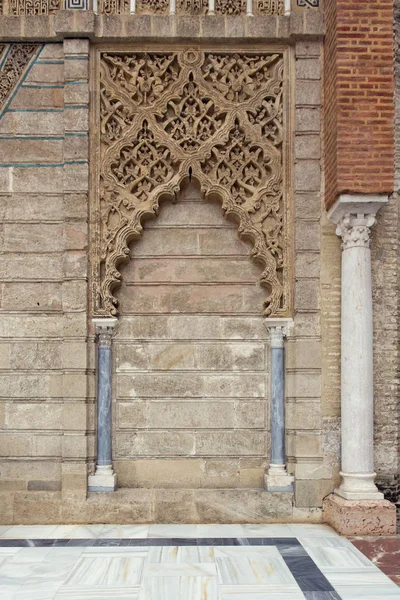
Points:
(307, 3)
(76, 4)
(82, 562)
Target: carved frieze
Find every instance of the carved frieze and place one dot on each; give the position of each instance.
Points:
(167, 116)
(13, 67)
(33, 7)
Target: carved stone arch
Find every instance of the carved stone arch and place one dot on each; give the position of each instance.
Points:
(185, 115)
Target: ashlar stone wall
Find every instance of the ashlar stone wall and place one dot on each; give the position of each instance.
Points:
(190, 355)
(43, 330)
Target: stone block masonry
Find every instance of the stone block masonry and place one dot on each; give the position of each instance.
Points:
(44, 280)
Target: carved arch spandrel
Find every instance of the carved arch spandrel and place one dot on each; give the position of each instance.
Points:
(164, 115)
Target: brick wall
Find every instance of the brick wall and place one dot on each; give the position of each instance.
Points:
(358, 97)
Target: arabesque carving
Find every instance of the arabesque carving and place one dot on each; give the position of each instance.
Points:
(15, 63)
(167, 116)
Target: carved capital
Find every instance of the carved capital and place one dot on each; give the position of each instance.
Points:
(277, 336)
(355, 230)
(105, 329)
(278, 329)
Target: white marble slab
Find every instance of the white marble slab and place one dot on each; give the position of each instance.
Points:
(328, 557)
(179, 588)
(98, 593)
(180, 570)
(252, 566)
(29, 532)
(181, 554)
(359, 577)
(107, 571)
(312, 530)
(172, 531)
(219, 531)
(369, 592)
(124, 531)
(77, 532)
(260, 592)
(267, 531)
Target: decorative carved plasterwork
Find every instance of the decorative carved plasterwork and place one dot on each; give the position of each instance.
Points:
(230, 7)
(270, 7)
(33, 7)
(15, 63)
(167, 116)
(113, 7)
(192, 7)
(155, 7)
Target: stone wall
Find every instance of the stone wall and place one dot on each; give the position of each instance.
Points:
(43, 198)
(191, 387)
(191, 355)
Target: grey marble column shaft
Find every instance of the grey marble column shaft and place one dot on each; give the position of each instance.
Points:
(277, 406)
(277, 478)
(104, 479)
(104, 422)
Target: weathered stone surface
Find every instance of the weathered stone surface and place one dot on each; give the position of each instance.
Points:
(360, 517)
(242, 506)
(161, 473)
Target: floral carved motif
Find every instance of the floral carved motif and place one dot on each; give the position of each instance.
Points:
(167, 116)
(14, 65)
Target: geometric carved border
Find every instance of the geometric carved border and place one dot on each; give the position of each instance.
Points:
(163, 117)
(13, 66)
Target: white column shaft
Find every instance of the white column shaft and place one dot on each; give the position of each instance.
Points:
(357, 362)
(355, 216)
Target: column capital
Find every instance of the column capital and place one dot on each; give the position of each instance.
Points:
(105, 328)
(355, 215)
(278, 330)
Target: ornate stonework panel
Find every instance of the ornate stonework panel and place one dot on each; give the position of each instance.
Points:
(167, 116)
(13, 67)
(33, 7)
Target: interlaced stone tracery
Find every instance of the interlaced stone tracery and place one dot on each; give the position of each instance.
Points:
(167, 116)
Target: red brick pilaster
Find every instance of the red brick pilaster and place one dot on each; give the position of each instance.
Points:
(359, 104)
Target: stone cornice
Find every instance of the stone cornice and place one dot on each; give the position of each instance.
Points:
(86, 24)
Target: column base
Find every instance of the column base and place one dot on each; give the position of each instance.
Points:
(359, 517)
(358, 486)
(104, 480)
(277, 479)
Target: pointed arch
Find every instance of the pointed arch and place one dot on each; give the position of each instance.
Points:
(216, 116)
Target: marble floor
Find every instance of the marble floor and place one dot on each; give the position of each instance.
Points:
(186, 562)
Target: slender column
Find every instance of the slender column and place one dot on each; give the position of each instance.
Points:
(104, 479)
(277, 478)
(354, 222)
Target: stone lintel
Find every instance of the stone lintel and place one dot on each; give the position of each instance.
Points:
(87, 24)
(354, 204)
(359, 517)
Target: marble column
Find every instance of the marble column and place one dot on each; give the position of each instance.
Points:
(104, 479)
(354, 217)
(277, 478)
